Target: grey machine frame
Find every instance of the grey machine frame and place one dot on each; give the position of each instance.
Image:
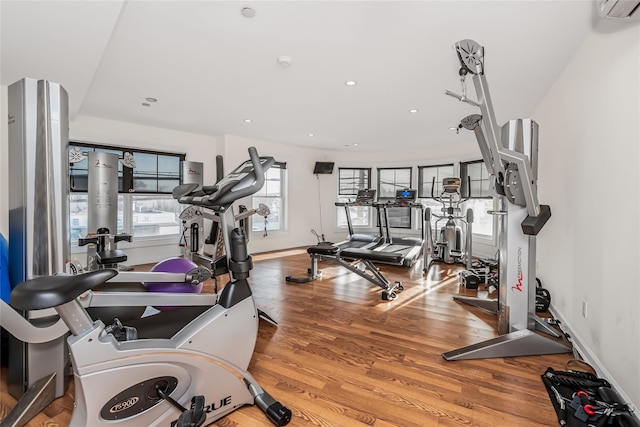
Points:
(510, 153)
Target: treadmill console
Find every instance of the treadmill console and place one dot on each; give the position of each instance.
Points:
(406, 195)
(451, 185)
(365, 197)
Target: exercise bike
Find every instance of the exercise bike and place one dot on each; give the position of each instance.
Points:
(147, 382)
(453, 240)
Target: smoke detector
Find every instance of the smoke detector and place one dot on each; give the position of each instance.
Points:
(248, 12)
(285, 61)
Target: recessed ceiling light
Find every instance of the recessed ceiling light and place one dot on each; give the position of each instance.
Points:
(350, 82)
(355, 145)
(310, 134)
(149, 99)
(413, 111)
(247, 120)
(146, 104)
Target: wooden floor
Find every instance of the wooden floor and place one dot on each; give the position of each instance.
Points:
(341, 356)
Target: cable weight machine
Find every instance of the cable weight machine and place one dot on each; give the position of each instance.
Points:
(510, 153)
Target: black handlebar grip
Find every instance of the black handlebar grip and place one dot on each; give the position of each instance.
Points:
(257, 166)
(86, 240)
(219, 168)
(195, 237)
(122, 237)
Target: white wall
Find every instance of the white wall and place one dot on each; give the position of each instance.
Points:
(589, 162)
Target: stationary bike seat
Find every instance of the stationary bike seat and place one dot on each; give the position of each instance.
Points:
(51, 291)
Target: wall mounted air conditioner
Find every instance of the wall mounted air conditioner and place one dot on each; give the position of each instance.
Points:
(617, 8)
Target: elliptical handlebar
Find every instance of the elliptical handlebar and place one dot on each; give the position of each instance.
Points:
(464, 199)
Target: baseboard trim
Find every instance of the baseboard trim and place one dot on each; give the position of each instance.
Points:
(585, 353)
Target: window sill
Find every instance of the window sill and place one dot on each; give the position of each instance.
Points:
(271, 233)
(484, 239)
(138, 242)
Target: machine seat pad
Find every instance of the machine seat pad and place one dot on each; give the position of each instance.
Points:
(51, 291)
(323, 249)
(370, 255)
(111, 257)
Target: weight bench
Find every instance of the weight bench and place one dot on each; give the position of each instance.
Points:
(355, 259)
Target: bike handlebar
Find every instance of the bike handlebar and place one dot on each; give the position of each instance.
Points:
(236, 188)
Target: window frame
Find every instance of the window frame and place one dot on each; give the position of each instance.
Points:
(409, 211)
(364, 212)
(366, 187)
(421, 183)
(127, 192)
(490, 239)
(427, 200)
(127, 184)
(283, 197)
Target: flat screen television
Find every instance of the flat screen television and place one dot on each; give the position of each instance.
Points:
(323, 168)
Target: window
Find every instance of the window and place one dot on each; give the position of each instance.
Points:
(145, 205)
(481, 199)
(156, 173)
(78, 212)
(426, 176)
(272, 195)
(389, 181)
(155, 215)
(350, 180)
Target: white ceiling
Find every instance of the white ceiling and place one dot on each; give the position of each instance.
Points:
(211, 68)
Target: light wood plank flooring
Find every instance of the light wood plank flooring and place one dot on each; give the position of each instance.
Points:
(341, 356)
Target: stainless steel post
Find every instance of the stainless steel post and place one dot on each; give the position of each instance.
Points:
(102, 192)
(38, 213)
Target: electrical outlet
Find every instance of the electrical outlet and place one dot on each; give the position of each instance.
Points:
(584, 309)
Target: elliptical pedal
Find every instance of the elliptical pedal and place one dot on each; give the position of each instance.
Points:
(194, 417)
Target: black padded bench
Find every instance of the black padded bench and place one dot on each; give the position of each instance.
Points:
(375, 256)
(323, 249)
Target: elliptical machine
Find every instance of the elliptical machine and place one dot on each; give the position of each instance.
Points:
(148, 381)
(453, 242)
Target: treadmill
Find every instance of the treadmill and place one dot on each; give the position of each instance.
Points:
(403, 251)
(356, 254)
(364, 198)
